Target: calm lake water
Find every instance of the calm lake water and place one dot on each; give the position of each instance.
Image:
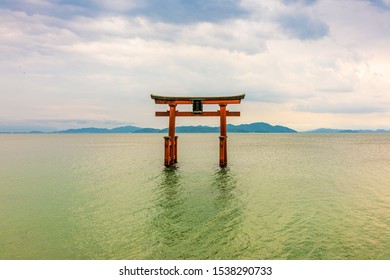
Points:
(283, 196)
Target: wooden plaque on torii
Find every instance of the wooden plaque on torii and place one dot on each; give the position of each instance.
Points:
(170, 142)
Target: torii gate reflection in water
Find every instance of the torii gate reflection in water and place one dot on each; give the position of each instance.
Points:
(170, 151)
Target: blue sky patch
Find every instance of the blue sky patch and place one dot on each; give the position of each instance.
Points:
(171, 11)
(303, 27)
(181, 11)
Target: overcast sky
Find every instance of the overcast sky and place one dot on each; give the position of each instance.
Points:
(304, 64)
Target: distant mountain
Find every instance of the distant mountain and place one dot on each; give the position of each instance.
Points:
(122, 129)
(197, 129)
(259, 127)
(85, 130)
(125, 129)
(148, 130)
(323, 130)
(331, 130)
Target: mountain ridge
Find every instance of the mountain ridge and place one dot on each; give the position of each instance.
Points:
(258, 127)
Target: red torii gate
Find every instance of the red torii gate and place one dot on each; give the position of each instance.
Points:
(170, 151)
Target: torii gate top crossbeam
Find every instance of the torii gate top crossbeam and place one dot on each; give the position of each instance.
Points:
(173, 100)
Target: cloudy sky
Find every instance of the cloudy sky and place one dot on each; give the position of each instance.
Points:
(302, 63)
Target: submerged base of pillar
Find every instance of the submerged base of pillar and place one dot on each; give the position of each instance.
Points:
(167, 150)
(170, 151)
(175, 150)
(222, 151)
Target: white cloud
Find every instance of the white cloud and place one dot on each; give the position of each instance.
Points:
(104, 67)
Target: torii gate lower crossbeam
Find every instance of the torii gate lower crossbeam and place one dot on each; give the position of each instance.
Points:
(170, 142)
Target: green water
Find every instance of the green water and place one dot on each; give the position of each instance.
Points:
(289, 196)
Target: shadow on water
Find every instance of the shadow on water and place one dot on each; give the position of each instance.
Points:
(196, 219)
(169, 208)
(229, 242)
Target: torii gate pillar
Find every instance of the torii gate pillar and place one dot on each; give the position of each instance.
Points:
(170, 142)
(171, 133)
(222, 137)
